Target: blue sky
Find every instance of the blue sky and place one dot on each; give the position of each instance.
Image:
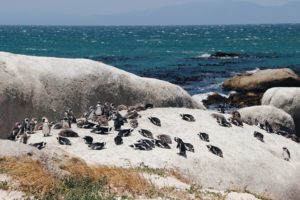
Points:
(148, 12)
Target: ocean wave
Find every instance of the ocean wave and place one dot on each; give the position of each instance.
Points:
(205, 55)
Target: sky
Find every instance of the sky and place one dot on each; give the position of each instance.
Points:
(148, 12)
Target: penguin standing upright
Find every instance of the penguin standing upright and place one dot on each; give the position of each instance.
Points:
(286, 154)
(46, 128)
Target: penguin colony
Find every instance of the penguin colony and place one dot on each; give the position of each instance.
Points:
(96, 119)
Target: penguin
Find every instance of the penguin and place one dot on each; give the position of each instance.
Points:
(63, 140)
(88, 139)
(236, 119)
(97, 145)
(268, 127)
(149, 106)
(118, 121)
(24, 138)
(46, 127)
(132, 115)
(32, 125)
(204, 136)
(134, 123)
(155, 121)
(146, 133)
(98, 110)
(286, 154)
(147, 142)
(162, 144)
(57, 125)
(188, 117)
(125, 132)
(25, 125)
(189, 147)
(215, 150)
(65, 123)
(181, 146)
(15, 131)
(39, 145)
(118, 140)
(259, 136)
(68, 133)
(101, 130)
(140, 146)
(165, 138)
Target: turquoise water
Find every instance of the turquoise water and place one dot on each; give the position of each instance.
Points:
(178, 54)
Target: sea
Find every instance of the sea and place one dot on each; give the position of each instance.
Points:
(182, 55)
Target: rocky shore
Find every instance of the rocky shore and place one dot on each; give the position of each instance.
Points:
(238, 152)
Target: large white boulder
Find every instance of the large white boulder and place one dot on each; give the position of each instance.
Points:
(275, 116)
(287, 99)
(37, 86)
(247, 163)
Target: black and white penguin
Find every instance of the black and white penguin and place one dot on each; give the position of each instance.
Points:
(286, 154)
(132, 115)
(88, 139)
(25, 125)
(236, 118)
(118, 121)
(140, 146)
(259, 136)
(181, 146)
(86, 124)
(24, 137)
(165, 138)
(99, 109)
(215, 150)
(63, 141)
(118, 140)
(146, 133)
(39, 145)
(189, 147)
(162, 144)
(57, 125)
(204, 136)
(15, 131)
(268, 127)
(33, 125)
(147, 142)
(188, 117)
(97, 145)
(125, 132)
(101, 130)
(149, 106)
(134, 123)
(155, 121)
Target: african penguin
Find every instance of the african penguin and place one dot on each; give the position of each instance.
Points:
(155, 121)
(118, 140)
(188, 117)
(165, 138)
(63, 140)
(97, 145)
(88, 139)
(204, 136)
(146, 133)
(259, 136)
(39, 145)
(215, 150)
(286, 154)
(125, 132)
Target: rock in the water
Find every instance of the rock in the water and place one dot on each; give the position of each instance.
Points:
(41, 86)
(287, 99)
(278, 119)
(263, 80)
